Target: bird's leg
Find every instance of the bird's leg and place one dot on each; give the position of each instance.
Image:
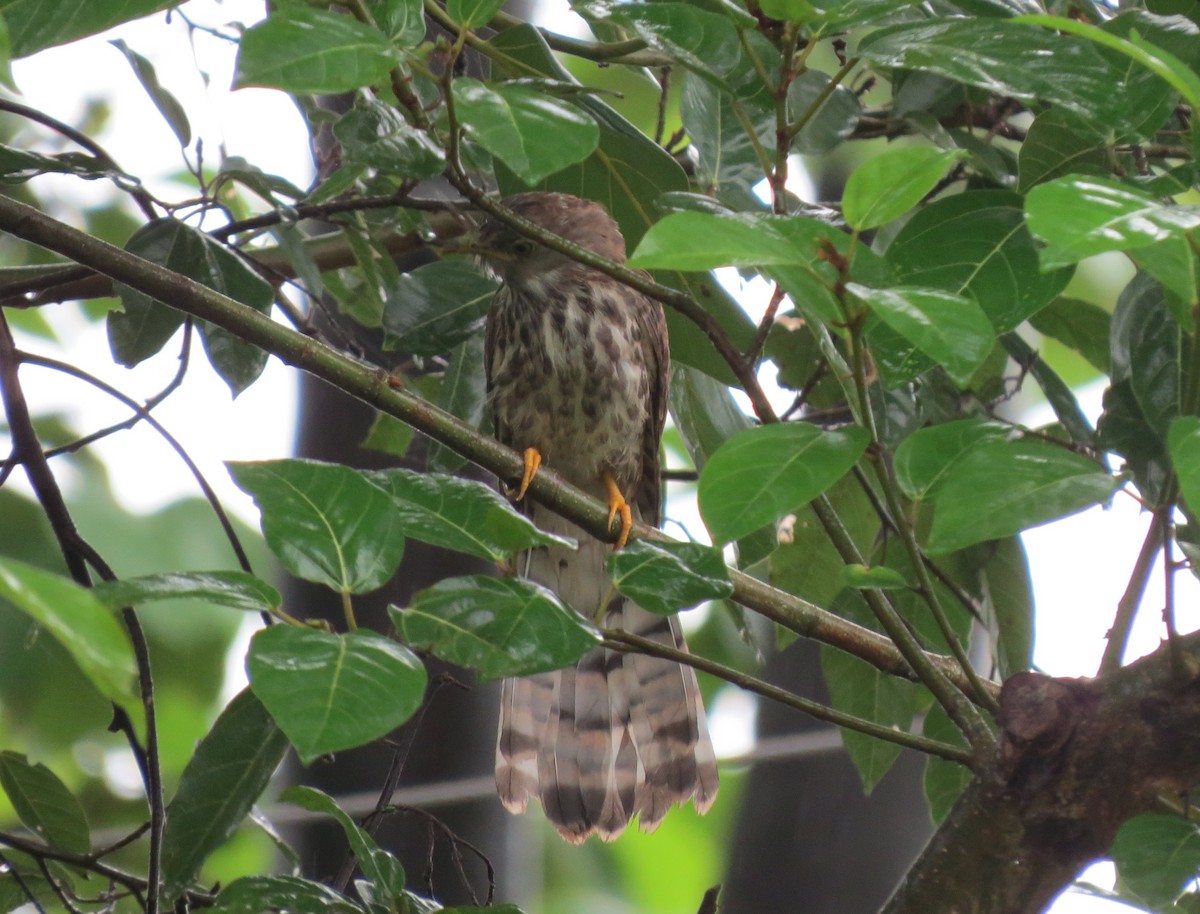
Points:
(617, 505)
(533, 460)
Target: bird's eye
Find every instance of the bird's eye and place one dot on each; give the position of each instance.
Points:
(522, 246)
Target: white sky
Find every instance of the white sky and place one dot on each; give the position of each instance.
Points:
(1080, 565)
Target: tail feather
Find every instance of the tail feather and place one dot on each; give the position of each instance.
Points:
(616, 735)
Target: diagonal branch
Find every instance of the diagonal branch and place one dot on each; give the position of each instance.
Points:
(375, 388)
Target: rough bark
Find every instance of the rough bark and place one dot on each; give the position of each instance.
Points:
(1077, 758)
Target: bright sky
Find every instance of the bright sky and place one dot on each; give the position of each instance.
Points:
(1080, 565)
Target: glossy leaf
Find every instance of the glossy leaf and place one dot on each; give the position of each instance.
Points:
(1157, 857)
(761, 474)
(463, 394)
(376, 136)
(1007, 58)
(44, 804)
(234, 589)
(223, 780)
(666, 577)
(1079, 325)
(999, 488)
(459, 514)
(325, 522)
(948, 328)
(496, 626)
(700, 40)
(435, 307)
(692, 240)
(1183, 441)
(379, 866)
(329, 692)
(1058, 143)
(512, 123)
(32, 25)
(925, 457)
(1009, 607)
(858, 688)
(473, 13)
(401, 20)
(1078, 217)
(944, 780)
(834, 113)
(888, 185)
(1144, 346)
(285, 894)
(307, 50)
(976, 244)
(145, 325)
(82, 624)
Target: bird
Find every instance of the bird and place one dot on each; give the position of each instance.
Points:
(577, 371)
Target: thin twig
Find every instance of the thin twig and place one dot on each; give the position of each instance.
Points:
(624, 641)
(1131, 599)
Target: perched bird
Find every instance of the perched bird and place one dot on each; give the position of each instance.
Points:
(577, 370)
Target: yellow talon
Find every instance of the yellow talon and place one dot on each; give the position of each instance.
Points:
(533, 460)
(617, 505)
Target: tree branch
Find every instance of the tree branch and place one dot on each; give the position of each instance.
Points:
(375, 388)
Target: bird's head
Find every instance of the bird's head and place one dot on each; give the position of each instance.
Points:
(521, 262)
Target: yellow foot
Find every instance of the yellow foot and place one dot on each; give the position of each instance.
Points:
(617, 505)
(533, 460)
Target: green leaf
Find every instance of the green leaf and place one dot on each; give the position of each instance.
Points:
(234, 589)
(223, 780)
(166, 103)
(1079, 325)
(880, 577)
(944, 780)
(1157, 857)
(44, 804)
(948, 328)
(1059, 142)
(512, 123)
(1006, 58)
(463, 394)
(976, 244)
(692, 240)
(82, 624)
(310, 51)
(1144, 345)
(401, 20)
(667, 577)
(329, 692)
(435, 307)
(325, 522)
(833, 121)
(496, 626)
(925, 457)
(379, 866)
(1009, 606)
(1079, 216)
(459, 514)
(282, 894)
(888, 185)
(701, 41)
(1000, 488)
(145, 325)
(33, 25)
(761, 474)
(473, 13)
(1175, 265)
(1183, 442)
(858, 688)
(374, 135)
